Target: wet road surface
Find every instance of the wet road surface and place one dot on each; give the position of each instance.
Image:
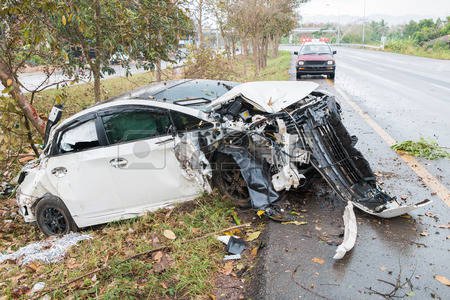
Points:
(33, 80)
(407, 251)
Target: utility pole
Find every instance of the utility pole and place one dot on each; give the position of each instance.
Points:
(339, 30)
(364, 25)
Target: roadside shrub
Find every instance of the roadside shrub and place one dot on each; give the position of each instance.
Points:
(206, 63)
(437, 50)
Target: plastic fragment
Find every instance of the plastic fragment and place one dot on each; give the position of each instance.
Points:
(350, 232)
(39, 286)
(235, 245)
(232, 257)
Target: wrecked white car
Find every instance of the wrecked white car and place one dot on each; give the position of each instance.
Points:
(171, 141)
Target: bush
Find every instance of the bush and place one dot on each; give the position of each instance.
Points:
(408, 46)
(206, 63)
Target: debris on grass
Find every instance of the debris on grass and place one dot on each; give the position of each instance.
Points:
(169, 234)
(428, 149)
(235, 245)
(39, 286)
(260, 212)
(227, 268)
(253, 236)
(235, 217)
(232, 257)
(47, 251)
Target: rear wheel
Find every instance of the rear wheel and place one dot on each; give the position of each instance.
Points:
(53, 217)
(229, 181)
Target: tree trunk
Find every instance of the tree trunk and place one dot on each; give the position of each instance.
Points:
(98, 43)
(233, 47)
(244, 45)
(265, 53)
(200, 23)
(275, 43)
(97, 84)
(256, 55)
(28, 110)
(158, 70)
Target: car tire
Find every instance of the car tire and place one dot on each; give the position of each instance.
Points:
(298, 76)
(331, 76)
(227, 178)
(53, 217)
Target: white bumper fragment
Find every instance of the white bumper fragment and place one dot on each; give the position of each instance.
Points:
(350, 232)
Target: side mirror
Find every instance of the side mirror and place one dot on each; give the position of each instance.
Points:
(295, 52)
(334, 51)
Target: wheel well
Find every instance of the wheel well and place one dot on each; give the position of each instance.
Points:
(46, 195)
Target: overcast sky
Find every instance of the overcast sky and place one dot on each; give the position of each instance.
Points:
(430, 8)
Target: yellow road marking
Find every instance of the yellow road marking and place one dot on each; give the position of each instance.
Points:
(432, 182)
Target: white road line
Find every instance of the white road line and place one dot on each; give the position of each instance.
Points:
(440, 86)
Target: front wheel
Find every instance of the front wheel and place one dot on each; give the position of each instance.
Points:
(298, 76)
(53, 217)
(331, 76)
(228, 179)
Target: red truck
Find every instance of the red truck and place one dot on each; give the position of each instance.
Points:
(315, 58)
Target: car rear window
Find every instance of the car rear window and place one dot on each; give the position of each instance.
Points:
(135, 125)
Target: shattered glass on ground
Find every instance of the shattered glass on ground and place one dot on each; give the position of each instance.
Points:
(47, 251)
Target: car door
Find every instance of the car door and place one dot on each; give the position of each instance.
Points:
(81, 169)
(145, 171)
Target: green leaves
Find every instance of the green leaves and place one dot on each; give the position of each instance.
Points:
(7, 90)
(428, 149)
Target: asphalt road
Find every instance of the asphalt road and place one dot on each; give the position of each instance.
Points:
(32, 80)
(407, 97)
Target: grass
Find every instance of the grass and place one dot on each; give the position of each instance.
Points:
(187, 270)
(277, 68)
(410, 48)
(423, 148)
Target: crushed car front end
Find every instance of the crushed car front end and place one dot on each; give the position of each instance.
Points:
(277, 131)
(31, 188)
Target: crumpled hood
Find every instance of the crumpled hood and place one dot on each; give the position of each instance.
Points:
(268, 96)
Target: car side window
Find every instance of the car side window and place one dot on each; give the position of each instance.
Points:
(79, 138)
(185, 122)
(135, 125)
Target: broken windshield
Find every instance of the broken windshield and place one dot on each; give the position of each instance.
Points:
(191, 92)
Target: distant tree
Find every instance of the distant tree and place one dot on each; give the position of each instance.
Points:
(156, 27)
(90, 32)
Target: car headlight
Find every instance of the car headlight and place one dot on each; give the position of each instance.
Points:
(301, 62)
(330, 62)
